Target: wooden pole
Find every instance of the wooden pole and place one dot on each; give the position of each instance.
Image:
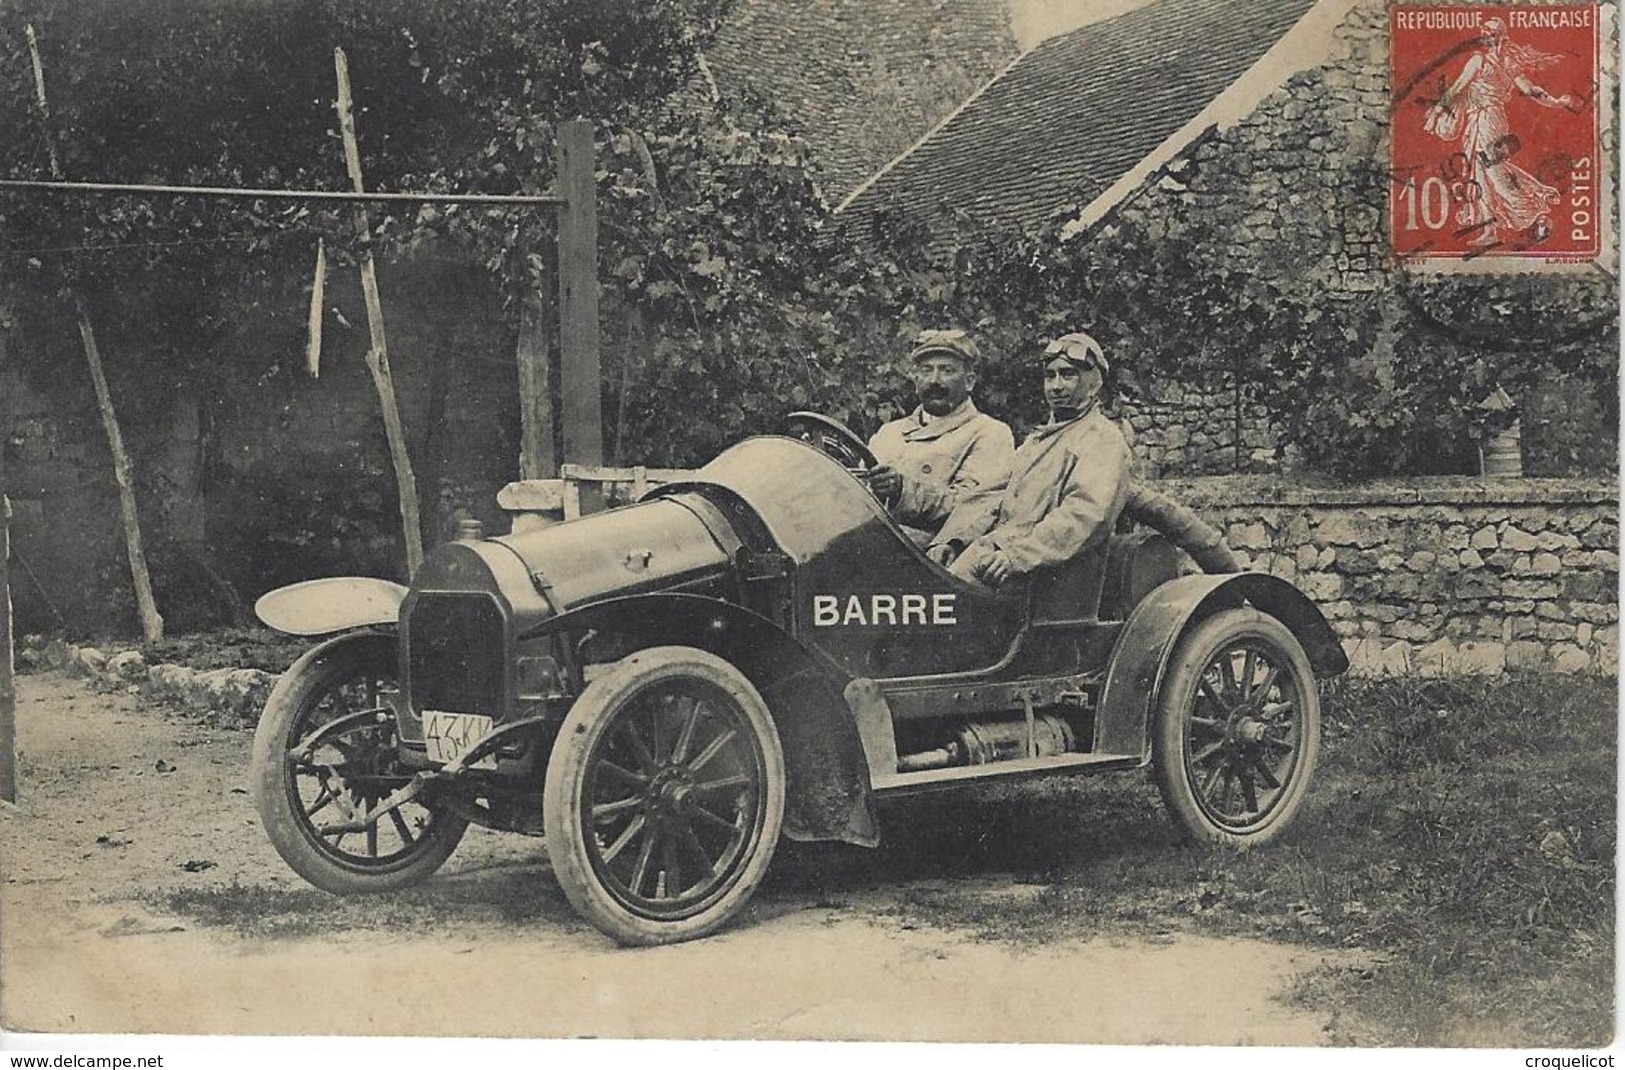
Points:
(318, 309)
(579, 369)
(538, 456)
(244, 193)
(44, 108)
(8, 687)
(378, 353)
(152, 624)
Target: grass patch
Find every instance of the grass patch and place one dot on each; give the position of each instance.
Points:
(1462, 829)
(1467, 827)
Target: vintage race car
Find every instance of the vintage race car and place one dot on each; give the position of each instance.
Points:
(665, 688)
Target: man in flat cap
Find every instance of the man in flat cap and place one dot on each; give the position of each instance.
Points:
(1070, 479)
(943, 466)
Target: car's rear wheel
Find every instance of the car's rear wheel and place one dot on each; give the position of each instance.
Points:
(1238, 729)
(326, 754)
(664, 796)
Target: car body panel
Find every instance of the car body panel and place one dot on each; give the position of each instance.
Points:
(861, 591)
(649, 545)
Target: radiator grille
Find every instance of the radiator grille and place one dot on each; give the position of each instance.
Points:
(456, 656)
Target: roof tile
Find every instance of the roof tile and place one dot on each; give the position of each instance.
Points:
(861, 79)
(1077, 112)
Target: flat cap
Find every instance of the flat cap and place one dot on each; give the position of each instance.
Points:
(953, 343)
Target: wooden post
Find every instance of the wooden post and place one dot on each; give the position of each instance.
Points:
(152, 624)
(8, 688)
(378, 353)
(578, 296)
(318, 309)
(538, 457)
(39, 101)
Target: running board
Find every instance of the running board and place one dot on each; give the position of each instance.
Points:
(926, 779)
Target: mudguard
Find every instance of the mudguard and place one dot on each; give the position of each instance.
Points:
(1140, 657)
(322, 607)
(825, 762)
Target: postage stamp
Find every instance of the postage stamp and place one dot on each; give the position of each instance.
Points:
(1496, 147)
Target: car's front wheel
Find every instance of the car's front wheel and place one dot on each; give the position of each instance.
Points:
(664, 796)
(326, 755)
(1238, 729)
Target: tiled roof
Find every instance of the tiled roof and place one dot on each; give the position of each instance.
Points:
(1076, 113)
(862, 79)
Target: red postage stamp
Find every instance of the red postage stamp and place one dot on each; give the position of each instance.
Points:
(1495, 132)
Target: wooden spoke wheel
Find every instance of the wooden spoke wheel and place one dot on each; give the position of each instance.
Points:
(1238, 730)
(325, 756)
(664, 796)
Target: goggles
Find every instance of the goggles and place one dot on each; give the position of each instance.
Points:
(1077, 349)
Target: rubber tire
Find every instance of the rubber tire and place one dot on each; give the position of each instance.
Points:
(306, 681)
(566, 773)
(1195, 650)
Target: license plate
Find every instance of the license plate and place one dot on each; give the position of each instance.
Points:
(447, 736)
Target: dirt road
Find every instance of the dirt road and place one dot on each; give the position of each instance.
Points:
(140, 896)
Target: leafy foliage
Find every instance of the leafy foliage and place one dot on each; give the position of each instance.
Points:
(730, 292)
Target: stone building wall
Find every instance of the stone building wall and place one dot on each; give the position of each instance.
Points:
(1439, 575)
(1188, 430)
(65, 534)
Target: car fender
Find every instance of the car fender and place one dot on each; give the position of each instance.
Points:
(825, 760)
(1139, 660)
(336, 604)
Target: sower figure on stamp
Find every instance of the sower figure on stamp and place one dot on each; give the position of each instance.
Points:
(944, 465)
(1070, 480)
(1502, 195)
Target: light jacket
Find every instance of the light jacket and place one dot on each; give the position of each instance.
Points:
(1066, 490)
(954, 468)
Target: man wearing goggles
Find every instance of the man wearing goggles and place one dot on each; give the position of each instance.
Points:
(1070, 478)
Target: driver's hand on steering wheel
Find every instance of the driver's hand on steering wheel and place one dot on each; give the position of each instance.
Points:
(885, 481)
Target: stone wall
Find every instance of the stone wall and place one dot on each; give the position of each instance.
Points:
(1439, 575)
(1187, 430)
(66, 540)
(1300, 186)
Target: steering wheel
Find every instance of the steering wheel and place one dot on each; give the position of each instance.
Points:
(831, 437)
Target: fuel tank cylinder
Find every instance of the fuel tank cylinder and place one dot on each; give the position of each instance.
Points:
(659, 545)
